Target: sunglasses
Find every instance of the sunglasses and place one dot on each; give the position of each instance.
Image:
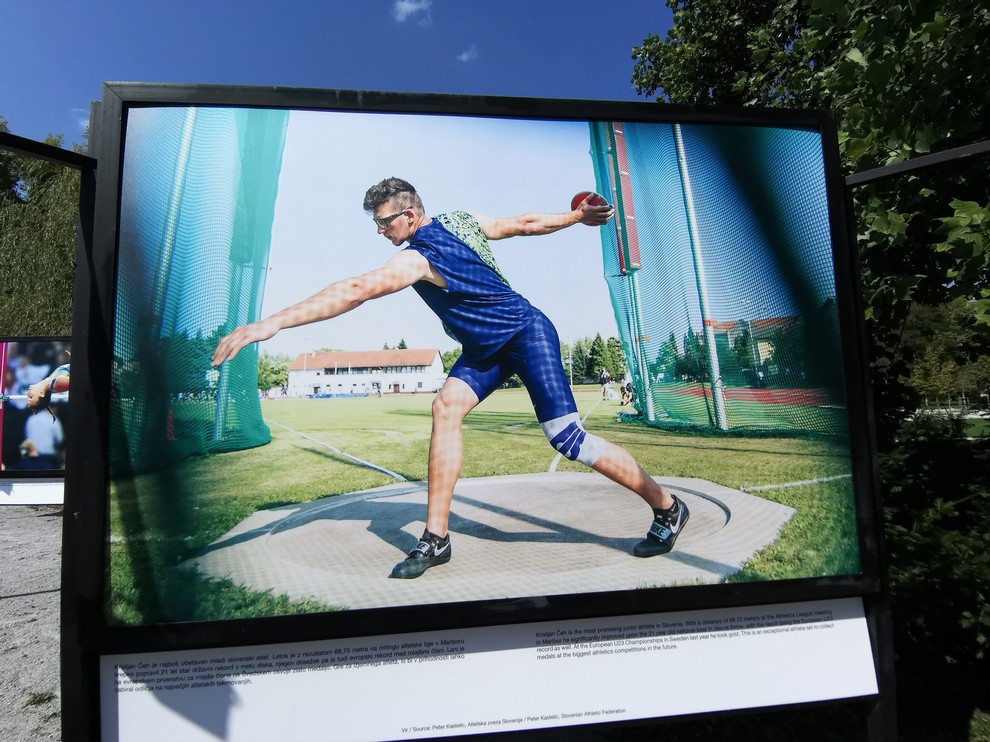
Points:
(384, 221)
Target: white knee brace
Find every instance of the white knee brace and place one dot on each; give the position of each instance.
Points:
(573, 441)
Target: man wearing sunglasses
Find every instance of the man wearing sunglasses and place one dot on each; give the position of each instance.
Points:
(448, 261)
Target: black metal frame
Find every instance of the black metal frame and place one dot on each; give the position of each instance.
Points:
(47, 152)
(915, 164)
(75, 665)
(87, 499)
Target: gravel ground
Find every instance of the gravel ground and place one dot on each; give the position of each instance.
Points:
(30, 696)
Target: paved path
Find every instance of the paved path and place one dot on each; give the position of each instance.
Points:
(30, 541)
(512, 536)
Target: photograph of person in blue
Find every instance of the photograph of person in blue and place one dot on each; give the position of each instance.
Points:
(448, 262)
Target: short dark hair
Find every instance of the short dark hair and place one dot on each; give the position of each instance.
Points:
(393, 189)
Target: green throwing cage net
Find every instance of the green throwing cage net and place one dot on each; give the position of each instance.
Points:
(719, 267)
(197, 206)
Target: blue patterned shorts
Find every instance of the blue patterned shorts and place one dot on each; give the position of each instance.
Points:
(534, 354)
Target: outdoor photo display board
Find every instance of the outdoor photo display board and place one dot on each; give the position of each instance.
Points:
(32, 445)
(238, 522)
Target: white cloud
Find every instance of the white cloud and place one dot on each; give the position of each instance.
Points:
(468, 56)
(402, 9)
(82, 117)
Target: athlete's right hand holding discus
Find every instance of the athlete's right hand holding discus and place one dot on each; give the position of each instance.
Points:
(592, 208)
(230, 345)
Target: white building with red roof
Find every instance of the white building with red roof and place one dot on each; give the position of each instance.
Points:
(359, 372)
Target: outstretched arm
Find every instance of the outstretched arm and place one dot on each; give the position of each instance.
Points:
(403, 269)
(498, 228)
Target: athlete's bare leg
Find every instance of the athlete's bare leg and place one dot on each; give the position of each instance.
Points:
(450, 407)
(618, 465)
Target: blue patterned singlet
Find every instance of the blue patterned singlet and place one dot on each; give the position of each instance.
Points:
(478, 308)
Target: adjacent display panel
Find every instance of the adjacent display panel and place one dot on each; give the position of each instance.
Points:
(33, 436)
(271, 495)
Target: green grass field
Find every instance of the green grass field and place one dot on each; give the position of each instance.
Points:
(159, 519)
(977, 427)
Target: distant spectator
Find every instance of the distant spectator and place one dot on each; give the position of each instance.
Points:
(46, 434)
(25, 374)
(604, 379)
(31, 459)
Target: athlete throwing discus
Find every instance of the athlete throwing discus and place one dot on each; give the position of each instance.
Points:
(448, 261)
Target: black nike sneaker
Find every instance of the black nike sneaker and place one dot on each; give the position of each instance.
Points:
(429, 552)
(664, 530)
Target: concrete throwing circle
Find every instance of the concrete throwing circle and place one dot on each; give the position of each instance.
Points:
(512, 536)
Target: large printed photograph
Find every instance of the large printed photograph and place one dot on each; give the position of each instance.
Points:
(366, 360)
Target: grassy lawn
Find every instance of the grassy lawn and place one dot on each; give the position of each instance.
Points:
(158, 519)
(977, 427)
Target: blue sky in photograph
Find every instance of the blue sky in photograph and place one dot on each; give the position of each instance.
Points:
(524, 166)
(60, 52)
(320, 232)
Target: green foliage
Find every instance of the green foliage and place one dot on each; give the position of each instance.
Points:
(900, 74)
(614, 358)
(966, 237)
(597, 358)
(514, 382)
(693, 364)
(974, 379)
(8, 172)
(599, 354)
(713, 44)
(665, 364)
(39, 210)
(273, 371)
(449, 358)
(937, 509)
(900, 78)
(579, 361)
(948, 348)
(934, 376)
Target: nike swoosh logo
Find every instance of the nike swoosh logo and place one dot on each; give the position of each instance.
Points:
(439, 552)
(664, 532)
